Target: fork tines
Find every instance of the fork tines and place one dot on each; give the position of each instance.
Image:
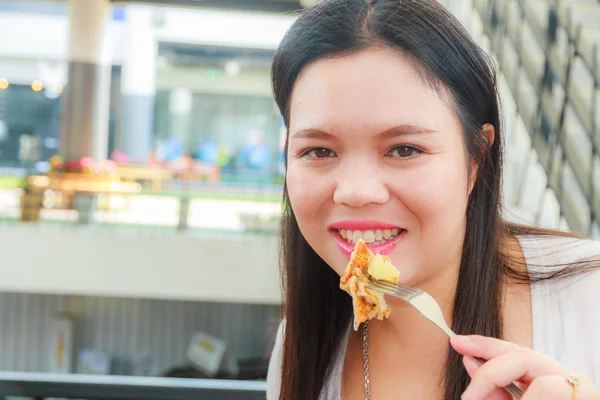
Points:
(393, 288)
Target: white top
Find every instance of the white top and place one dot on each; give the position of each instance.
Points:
(566, 320)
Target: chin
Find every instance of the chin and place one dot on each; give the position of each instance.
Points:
(338, 264)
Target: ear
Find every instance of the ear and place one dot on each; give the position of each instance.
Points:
(489, 135)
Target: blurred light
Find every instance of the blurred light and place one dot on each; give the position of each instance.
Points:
(308, 3)
(49, 197)
(213, 73)
(233, 68)
(3, 130)
(225, 28)
(51, 94)
(162, 62)
(51, 143)
(180, 101)
(42, 181)
(42, 167)
(37, 86)
(4, 83)
(118, 14)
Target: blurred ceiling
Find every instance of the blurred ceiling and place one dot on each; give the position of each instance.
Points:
(279, 6)
(187, 55)
(270, 6)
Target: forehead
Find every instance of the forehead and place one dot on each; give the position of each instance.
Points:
(372, 89)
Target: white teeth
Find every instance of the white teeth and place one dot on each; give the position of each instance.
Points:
(349, 235)
(369, 236)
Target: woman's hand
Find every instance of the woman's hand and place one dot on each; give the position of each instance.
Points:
(539, 376)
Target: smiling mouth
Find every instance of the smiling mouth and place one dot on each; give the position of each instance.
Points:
(373, 237)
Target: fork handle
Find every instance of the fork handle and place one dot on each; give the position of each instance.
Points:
(512, 388)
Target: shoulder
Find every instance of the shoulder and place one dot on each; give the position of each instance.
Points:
(566, 323)
(555, 250)
(549, 254)
(331, 388)
(274, 372)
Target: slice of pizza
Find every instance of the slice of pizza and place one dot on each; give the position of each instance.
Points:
(367, 304)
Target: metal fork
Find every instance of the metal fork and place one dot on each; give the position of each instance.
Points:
(430, 309)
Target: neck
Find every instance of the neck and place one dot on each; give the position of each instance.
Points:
(407, 332)
(406, 338)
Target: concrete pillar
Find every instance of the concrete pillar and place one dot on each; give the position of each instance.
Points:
(180, 110)
(138, 85)
(184, 211)
(84, 130)
(86, 205)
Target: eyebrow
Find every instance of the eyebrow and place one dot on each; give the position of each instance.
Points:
(400, 130)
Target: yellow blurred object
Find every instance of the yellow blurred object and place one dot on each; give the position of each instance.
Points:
(37, 86)
(60, 350)
(154, 174)
(31, 206)
(62, 187)
(207, 345)
(4, 83)
(88, 183)
(35, 182)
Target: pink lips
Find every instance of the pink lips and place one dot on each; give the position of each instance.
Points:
(347, 248)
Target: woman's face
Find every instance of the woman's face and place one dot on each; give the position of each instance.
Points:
(375, 153)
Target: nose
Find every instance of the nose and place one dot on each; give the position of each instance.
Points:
(358, 186)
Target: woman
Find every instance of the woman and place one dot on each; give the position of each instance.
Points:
(394, 136)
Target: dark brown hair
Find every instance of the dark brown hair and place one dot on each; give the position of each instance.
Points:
(316, 311)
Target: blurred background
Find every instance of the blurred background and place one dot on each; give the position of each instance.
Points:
(141, 170)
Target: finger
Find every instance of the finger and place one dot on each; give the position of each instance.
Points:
(489, 348)
(480, 346)
(550, 387)
(518, 365)
(557, 387)
(472, 367)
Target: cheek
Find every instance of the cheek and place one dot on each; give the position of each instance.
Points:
(305, 192)
(296, 192)
(440, 194)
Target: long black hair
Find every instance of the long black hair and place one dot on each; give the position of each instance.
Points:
(450, 62)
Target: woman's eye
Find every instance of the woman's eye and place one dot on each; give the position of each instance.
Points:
(404, 151)
(319, 153)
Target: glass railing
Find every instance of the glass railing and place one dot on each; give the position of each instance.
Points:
(548, 52)
(139, 202)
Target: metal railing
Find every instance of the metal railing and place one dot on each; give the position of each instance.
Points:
(40, 386)
(548, 52)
